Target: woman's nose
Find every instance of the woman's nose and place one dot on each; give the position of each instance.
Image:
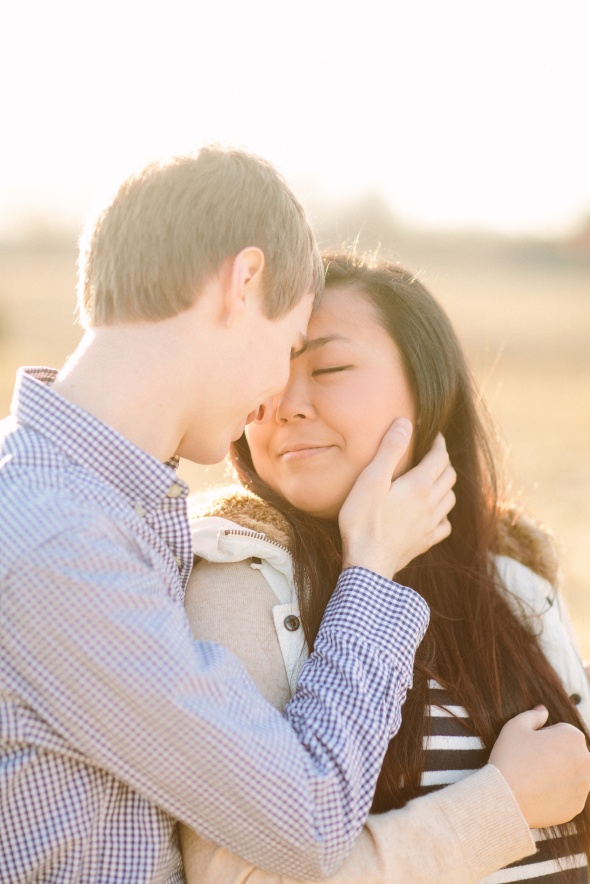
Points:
(293, 404)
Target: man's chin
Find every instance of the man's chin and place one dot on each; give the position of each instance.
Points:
(205, 458)
(239, 433)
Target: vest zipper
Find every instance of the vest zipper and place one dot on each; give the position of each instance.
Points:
(258, 535)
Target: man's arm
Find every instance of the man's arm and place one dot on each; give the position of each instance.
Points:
(103, 655)
(107, 660)
(458, 834)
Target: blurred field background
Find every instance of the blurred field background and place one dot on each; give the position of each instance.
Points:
(522, 309)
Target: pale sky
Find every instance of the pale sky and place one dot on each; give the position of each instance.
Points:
(459, 112)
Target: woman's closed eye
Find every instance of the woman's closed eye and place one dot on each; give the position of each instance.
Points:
(330, 370)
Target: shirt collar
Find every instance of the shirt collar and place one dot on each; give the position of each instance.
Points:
(92, 444)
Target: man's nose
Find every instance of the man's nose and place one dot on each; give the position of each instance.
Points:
(264, 412)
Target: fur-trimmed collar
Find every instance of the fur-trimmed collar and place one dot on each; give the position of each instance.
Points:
(519, 536)
(522, 538)
(246, 509)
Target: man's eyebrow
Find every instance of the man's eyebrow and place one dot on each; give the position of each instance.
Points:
(304, 340)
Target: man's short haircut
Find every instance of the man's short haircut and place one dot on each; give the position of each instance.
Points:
(170, 227)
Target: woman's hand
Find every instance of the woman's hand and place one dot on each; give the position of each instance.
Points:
(548, 769)
(385, 524)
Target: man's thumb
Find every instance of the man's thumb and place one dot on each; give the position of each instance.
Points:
(391, 449)
(395, 442)
(397, 437)
(401, 428)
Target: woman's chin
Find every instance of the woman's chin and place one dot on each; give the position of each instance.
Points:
(314, 505)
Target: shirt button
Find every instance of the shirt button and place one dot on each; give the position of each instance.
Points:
(575, 698)
(291, 622)
(179, 562)
(139, 510)
(175, 491)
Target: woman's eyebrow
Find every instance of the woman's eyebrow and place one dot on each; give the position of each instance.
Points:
(316, 343)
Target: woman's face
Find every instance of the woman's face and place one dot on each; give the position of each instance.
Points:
(344, 391)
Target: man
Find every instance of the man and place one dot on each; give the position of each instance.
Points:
(196, 283)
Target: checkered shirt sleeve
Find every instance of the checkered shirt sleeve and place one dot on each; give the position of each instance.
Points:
(114, 722)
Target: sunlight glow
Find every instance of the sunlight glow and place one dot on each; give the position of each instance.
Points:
(460, 114)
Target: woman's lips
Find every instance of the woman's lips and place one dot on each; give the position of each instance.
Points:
(302, 451)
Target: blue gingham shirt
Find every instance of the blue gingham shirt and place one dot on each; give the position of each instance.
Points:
(114, 722)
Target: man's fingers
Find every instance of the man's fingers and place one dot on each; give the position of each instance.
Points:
(445, 506)
(386, 523)
(443, 496)
(441, 532)
(391, 450)
(446, 480)
(435, 462)
(396, 440)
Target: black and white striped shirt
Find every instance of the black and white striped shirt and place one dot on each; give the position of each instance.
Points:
(452, 753)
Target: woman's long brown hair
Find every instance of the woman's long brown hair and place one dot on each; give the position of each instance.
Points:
(475, 646)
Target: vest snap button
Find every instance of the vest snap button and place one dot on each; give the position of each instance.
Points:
(291, 622)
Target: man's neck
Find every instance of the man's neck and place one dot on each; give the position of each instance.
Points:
(121, 375)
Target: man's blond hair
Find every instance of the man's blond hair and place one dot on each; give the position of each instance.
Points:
(170, 226)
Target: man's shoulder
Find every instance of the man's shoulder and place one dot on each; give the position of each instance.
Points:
(33, 465)
(34, 517)
(26, 453)
(44, 498)
(35, 473)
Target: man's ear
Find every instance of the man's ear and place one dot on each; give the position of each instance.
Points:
(242, 282)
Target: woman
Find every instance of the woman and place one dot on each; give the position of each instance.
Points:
(498, 642)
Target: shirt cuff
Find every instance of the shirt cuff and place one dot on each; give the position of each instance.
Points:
(376, 610)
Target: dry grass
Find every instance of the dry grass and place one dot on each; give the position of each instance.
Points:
(526, 329)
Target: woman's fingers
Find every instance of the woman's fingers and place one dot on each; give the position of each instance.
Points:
(547, 768)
